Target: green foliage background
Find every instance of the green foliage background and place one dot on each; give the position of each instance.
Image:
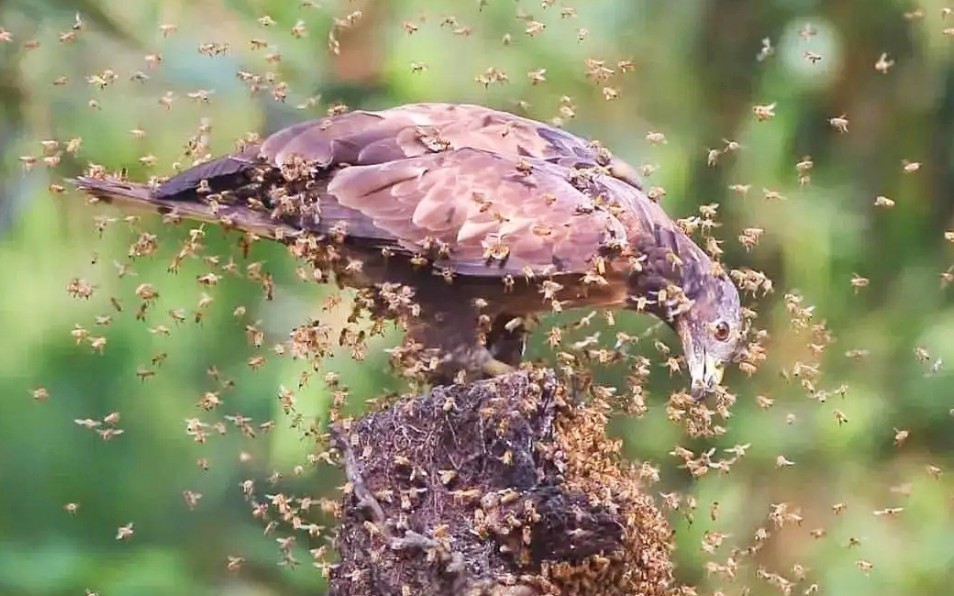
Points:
(696, 78)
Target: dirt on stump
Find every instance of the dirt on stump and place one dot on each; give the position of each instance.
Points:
(507, 486)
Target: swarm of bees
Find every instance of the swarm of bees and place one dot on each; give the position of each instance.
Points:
(594, 354)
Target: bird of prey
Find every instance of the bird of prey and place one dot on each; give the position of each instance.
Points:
(485, 218)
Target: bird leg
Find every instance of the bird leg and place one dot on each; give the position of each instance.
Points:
(446, 345)
(507, 342)
(495, 368)
(507, 339)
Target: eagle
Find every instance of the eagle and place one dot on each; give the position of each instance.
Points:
(478, 218)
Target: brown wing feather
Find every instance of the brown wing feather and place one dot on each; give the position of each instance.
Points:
(365, 138)
(225, 171)
(470, 200)
(401, 150)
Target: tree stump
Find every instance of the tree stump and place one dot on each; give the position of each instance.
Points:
(505, 486)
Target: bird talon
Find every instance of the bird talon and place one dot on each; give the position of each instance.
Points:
(531, 322)
(496, 368)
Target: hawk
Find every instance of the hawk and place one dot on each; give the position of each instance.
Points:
(485, 218)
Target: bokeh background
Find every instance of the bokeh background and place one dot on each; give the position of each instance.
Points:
(866, 458)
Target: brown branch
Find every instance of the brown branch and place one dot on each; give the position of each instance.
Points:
(496, 487)
(365, 499)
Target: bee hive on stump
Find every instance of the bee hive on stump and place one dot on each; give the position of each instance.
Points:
(506, 486)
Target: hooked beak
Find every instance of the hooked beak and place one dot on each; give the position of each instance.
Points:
(704, 370)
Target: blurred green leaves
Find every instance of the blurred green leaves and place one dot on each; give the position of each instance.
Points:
(695, 78)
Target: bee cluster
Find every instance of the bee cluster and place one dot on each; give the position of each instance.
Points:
(513, 483)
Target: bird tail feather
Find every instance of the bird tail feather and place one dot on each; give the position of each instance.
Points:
(140, 197)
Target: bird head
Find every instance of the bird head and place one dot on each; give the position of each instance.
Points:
(710, 328)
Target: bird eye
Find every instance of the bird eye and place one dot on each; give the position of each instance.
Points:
(722, 331)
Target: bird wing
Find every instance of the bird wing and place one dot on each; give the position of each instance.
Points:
(416, 129)
(474, 212)
(408, 176)
(372, 137)
(490, 213)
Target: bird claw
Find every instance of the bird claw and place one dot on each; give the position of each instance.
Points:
(531, 322)
(496, 368)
